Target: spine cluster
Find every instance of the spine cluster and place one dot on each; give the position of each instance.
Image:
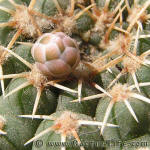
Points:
(84, 42)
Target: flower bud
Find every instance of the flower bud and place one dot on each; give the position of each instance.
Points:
(56, 54)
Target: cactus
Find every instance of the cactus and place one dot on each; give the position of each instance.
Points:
(81, 66)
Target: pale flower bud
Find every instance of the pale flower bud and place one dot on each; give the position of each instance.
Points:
(56, 54)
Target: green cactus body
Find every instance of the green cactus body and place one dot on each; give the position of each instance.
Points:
(128, 127)
(19, 130)
(88, 108)
(96, 51)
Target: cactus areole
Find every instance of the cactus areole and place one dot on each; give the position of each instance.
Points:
(56, 54)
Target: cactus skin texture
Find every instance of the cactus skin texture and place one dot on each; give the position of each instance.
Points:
(87, 65)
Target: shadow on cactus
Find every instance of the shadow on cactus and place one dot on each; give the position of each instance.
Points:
(64, 54)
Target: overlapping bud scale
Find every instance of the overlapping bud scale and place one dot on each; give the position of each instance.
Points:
(56, 54)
